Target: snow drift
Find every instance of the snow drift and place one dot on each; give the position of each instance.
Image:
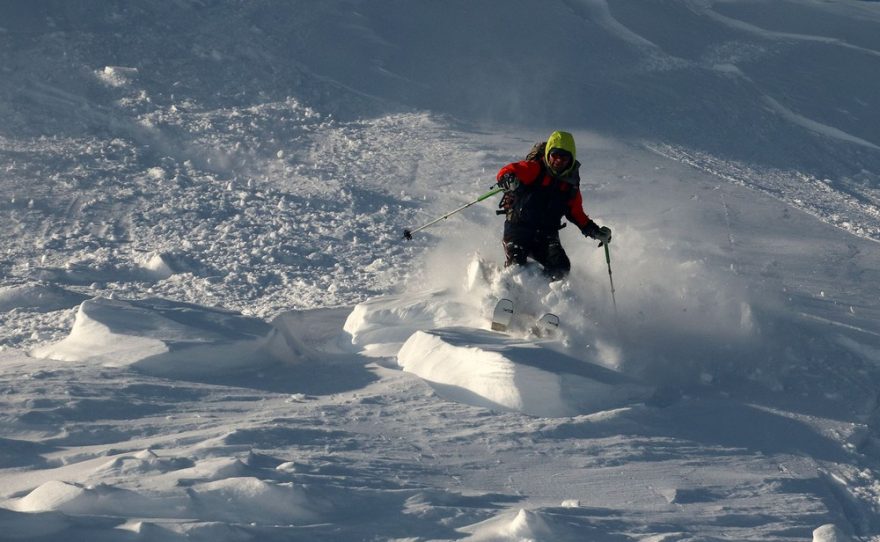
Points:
(38, 297)
(167, 337)
(496, 371)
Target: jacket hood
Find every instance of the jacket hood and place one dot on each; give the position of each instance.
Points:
(564, 141)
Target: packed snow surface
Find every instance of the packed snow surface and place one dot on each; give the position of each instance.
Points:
(211, 327)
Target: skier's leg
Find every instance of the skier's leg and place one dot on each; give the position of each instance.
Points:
(516, 245)
(552, 256)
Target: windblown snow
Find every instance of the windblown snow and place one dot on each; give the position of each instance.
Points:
(211, 327)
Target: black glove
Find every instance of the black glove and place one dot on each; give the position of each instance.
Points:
(508, 182)
(599, 233)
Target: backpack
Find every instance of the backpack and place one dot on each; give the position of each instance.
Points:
(537, 152)
(505, 206)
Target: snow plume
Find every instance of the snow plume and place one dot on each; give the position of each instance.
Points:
(696, 317)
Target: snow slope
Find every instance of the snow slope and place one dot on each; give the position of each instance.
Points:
(212, 329)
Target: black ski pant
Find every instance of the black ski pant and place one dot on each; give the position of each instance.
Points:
(543, 246)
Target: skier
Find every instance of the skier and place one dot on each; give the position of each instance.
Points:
(538, 192)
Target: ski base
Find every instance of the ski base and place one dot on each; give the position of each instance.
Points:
(546, 326)
(502, 315)
(549, 322)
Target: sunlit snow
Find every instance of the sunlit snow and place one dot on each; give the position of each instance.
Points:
(211, 327)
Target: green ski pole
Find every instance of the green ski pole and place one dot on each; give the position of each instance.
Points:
(407, 233)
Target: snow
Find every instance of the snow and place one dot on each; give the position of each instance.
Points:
(829, 533)
(211, 327)
(38, 297)
(165, 337)
(497, 372)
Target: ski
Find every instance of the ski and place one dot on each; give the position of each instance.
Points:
(502, 315)
(503, 318)
(546, 325)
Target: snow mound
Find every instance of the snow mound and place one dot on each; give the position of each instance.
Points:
(141, 463)
(493, 370)
(211, 470)
(165, 337)
(75, 499)
(252, 500)
(38, 297)
(237, 499)
(543, 525)
(525, 525)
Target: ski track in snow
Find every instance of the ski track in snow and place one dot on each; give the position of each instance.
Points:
(851, 209)
(213, 330)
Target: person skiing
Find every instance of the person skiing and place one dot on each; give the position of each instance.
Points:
(538, 192)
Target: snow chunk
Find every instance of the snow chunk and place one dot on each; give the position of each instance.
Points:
(392, 319)
(116, 76)
(158, 267)
(167, 338)
(492, 370)
(156, 173)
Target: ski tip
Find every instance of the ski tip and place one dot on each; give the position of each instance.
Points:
(550, 320)
(547, 326)
(502, 315)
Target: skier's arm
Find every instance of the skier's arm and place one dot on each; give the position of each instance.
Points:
(576, 212)
(588, 227)
(526, 171)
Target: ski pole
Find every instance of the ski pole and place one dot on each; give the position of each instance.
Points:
(407, 234)
(610, 278)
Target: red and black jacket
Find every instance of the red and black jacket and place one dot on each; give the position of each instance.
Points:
(542, 199)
